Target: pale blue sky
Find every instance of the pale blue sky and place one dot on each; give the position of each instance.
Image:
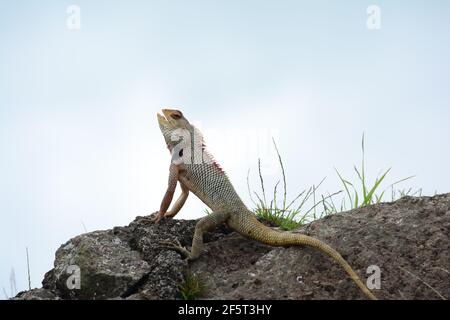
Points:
(79, 140)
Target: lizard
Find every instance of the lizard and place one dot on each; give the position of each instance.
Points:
(195, 169)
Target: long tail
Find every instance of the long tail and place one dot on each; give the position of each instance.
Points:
(261, 233)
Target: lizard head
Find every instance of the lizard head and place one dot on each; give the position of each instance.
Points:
(171, 123)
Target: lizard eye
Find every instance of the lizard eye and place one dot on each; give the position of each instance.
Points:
(175, 116)
(180, 153)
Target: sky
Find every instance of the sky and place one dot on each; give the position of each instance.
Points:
(80, 148)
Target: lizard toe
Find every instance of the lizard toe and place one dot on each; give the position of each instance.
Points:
(175, 245)
(155, 217)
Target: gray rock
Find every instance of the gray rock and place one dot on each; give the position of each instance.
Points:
(108, 266)
(407, 239)
(36, 294)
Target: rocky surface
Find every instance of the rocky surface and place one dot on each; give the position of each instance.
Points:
(409, 240)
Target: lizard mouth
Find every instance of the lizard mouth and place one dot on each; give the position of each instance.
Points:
(166, 118)
(163, 119)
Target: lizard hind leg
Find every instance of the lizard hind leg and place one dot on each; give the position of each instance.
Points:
(207, 223)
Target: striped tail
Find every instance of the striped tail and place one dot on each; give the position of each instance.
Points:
(255, 230)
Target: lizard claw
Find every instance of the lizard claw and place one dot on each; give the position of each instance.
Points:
(155, 217)
(175, 245)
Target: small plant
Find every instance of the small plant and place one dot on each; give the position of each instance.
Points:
(400, 193)
(12, 284)
(193, 287)
(28, 270)
(4, 293)
(287, 216)
(367, 193)
(308, 205)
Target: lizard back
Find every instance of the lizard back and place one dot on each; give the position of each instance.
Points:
(211, 185)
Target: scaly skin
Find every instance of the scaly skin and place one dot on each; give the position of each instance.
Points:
(196, 171)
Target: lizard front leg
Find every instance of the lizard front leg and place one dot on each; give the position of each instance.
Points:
(207, 223)
(179, 203)
(167, 199)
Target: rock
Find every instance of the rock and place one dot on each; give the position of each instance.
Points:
(408, 240)
(37, 294)
(167, 267)
(108, 267)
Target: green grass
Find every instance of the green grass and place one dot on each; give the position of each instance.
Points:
(288, 215)
(363, 192)
(309, 205)
(192, 287)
